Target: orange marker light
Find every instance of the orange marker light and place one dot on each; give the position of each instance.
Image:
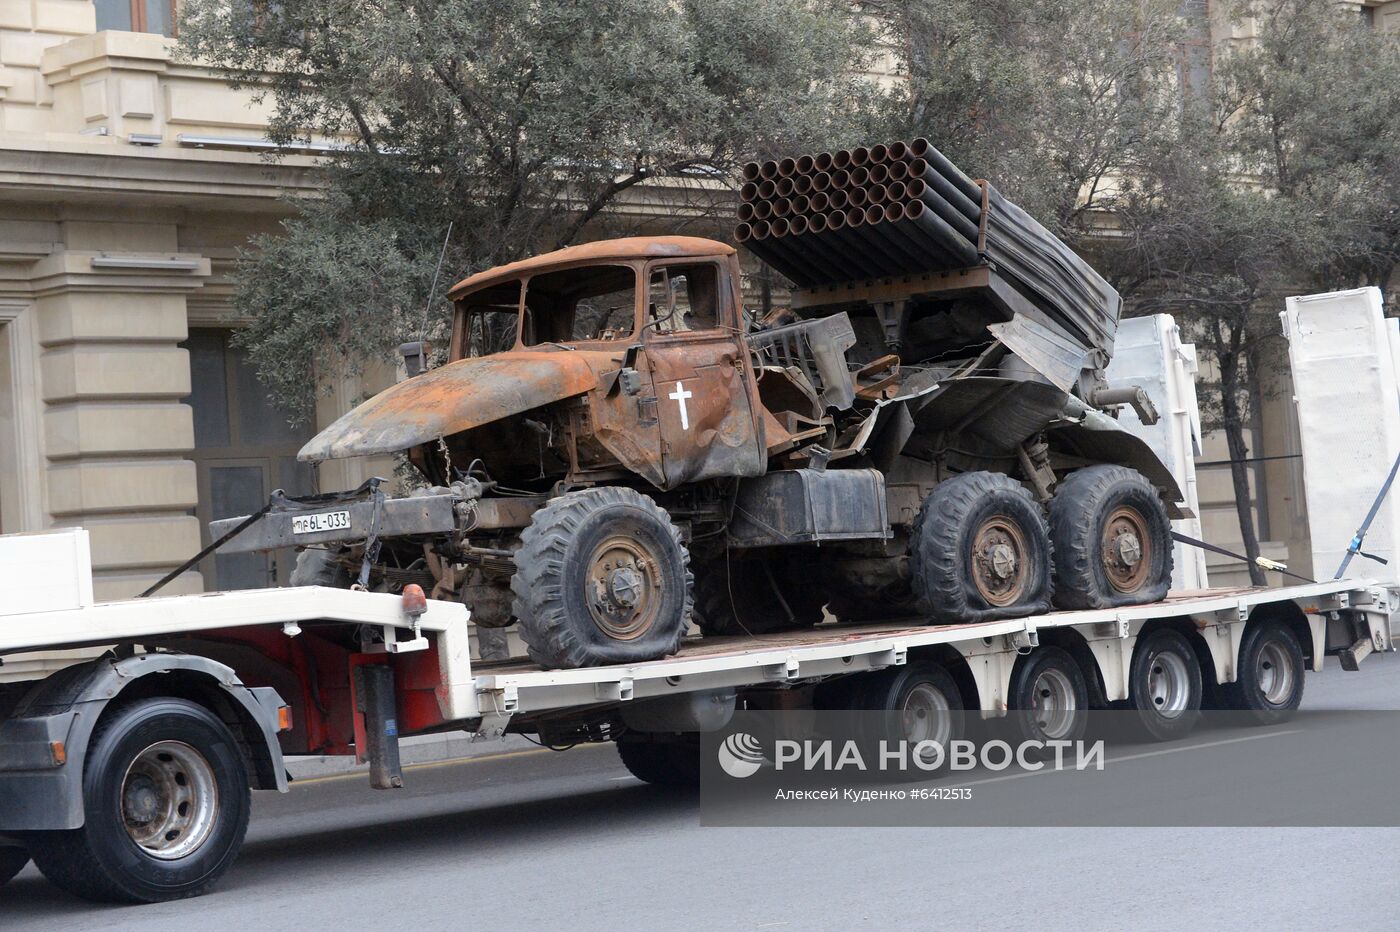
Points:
(284, 718)
(59, 750)
(414, 601)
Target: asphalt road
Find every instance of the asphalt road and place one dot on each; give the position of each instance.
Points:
(535, 839)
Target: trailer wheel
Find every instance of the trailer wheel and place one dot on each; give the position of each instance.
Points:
(12, 861)
(601, 577)
(1270, 679)
(1049, 697)
(755, 594)
(662, 760)
(1112, 539)
(1164, 686)
(166, 804)
(980, 550)
(917, 702)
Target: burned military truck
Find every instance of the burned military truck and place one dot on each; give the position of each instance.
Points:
(615, 445)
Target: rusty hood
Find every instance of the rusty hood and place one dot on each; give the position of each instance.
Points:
(456, 397)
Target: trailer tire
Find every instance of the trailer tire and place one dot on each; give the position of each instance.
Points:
(601, 577)
(12, 861)
(141, 759)
(1049, 697)
(915, 702)
(662, 760)
(980, 550)
(1089, 505)
(735, 595)
(1164, 686)
(1271, 673)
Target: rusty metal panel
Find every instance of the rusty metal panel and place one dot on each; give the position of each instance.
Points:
(707, 425)
(456, 397)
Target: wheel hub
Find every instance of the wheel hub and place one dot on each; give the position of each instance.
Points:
(1127, 549)
(999, 561)
(169, 800)
(624, 588)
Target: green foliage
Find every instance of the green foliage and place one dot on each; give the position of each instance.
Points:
(524, 123)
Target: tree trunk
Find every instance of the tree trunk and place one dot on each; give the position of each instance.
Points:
(1233, 425)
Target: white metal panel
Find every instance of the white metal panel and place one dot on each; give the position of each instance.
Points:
(1148, 352)
(45, 571)
(1344, 386)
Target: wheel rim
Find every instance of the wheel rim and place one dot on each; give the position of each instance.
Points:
(1053, 703)
(624, 596)
(999, 561)
(169, 800)
(1168, 684)
(1127, 549)
(924, 715)
(1275, 674)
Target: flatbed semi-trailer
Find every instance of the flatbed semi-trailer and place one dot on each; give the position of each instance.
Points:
(128, 777)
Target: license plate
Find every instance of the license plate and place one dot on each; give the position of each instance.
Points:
(325, 521)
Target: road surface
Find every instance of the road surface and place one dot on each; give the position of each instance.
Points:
(535, 839)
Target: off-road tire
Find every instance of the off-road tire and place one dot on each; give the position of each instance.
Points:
(662, 760)
(941, 548)
(551, 582)
(1084, 501)
(736, 595)
(1044, 684)
(101, 861)
(1164, 654)
(1268, 648)
(318, 566)
(12, 861)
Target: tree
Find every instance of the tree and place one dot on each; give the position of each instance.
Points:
(1311, 113)
(1051, 100)
(524, 124)
(1197, 243)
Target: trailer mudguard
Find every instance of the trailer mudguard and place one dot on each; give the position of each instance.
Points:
(41, 785)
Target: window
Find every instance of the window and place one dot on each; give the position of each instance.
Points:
(486, 321)
(684, 298)
(592, 303)
(244, 448)
(136, 15)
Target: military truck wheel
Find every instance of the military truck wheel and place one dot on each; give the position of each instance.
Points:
(755, 594)
(980, 551)
(601, 577)
(1112, 539)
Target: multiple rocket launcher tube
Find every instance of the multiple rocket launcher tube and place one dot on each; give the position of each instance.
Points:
(861, 213)
(904, 209)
